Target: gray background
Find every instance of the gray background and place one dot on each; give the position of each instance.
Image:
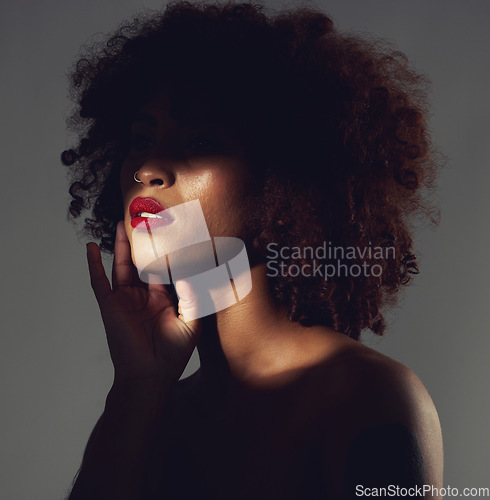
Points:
(54, 365)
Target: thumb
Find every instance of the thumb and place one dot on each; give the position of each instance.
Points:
(189, 305)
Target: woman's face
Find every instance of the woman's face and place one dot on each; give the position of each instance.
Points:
(180, 162)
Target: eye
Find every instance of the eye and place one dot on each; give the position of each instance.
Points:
(202, 146)
(142, 142)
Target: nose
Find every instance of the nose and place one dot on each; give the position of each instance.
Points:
(154, 174)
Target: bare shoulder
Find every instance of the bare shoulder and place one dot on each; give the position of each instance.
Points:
(359, 374)
(385, 420)
(381, 389)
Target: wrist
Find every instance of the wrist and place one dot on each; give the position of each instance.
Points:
(138, 397)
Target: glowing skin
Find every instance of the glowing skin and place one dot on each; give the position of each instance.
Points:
(178, 163)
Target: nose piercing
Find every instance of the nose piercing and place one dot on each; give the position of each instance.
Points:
(137, 179)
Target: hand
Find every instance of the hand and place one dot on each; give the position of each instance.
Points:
(147, 339)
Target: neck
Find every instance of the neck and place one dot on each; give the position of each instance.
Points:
(253, 343)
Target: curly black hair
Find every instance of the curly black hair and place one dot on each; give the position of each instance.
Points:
(335, 127)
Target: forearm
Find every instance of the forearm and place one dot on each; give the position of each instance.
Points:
(115, 458)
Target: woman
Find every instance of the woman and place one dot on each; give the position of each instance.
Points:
(309, 146)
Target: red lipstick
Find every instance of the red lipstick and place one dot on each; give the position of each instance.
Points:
(148, 211)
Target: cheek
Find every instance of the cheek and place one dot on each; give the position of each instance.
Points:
(223, 194)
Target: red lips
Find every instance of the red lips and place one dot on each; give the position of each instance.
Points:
(151, 206)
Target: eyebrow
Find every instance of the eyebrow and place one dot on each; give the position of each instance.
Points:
(145, 118)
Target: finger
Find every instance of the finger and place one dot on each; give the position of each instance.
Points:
(98, 279)
(122, 268)
(189, 310)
